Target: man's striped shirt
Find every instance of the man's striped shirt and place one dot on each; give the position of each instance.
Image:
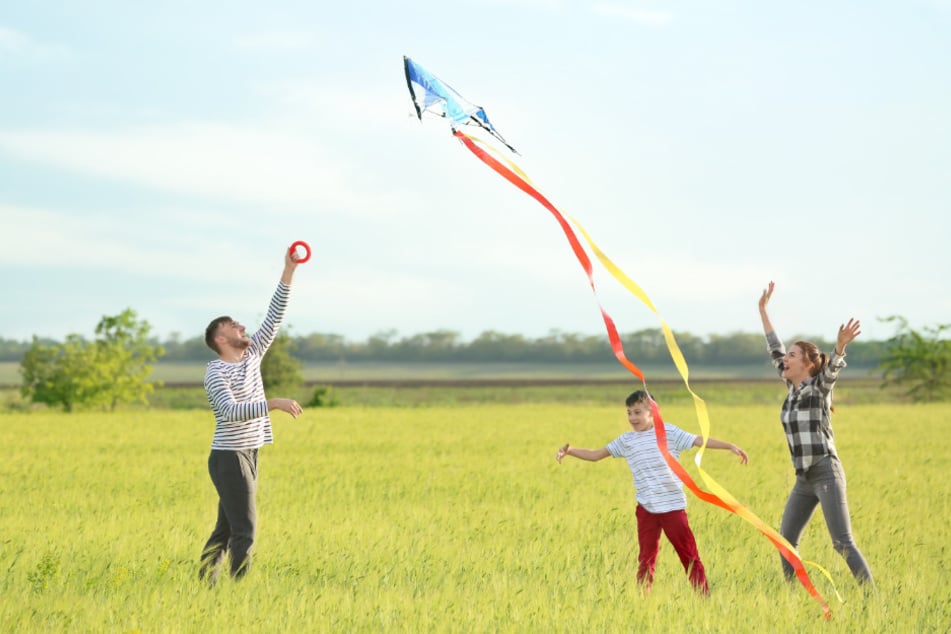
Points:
(807, 410)
(658, 489)
(236, 391)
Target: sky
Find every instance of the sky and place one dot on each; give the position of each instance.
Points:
(162, 156)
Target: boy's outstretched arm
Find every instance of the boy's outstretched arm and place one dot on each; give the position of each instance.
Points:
(591, 455)
(713, 443)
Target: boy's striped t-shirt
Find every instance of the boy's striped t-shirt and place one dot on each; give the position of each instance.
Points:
(658, 489)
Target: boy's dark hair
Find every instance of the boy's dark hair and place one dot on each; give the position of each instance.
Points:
(212, 330)
(640, 396)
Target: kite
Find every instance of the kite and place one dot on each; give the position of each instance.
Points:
(432, 95)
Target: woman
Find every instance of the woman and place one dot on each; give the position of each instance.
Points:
(807, 420)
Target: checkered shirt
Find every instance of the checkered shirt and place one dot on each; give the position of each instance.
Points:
(807, 410)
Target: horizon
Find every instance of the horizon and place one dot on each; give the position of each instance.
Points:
(395, 336)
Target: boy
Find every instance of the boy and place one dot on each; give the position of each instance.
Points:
(661, 502)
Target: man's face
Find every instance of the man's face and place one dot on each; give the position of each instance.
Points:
(233, 335)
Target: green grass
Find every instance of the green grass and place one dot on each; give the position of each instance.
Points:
(848, 392)
(452, 519)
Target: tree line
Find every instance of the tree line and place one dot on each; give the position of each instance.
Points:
(114, 367)
(447, 346)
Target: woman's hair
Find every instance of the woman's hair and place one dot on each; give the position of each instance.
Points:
(811, 352)
(818, 360)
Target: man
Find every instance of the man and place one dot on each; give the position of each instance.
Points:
(242, 426)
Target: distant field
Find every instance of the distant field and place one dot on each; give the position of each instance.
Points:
(432, 385)
(333, 372)
(348, 372)
(453, 519)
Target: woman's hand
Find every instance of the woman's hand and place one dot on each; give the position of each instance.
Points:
(764, 298)
(847, 334)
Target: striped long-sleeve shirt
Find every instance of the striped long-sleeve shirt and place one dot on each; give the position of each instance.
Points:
(236, 391)
(807, 410)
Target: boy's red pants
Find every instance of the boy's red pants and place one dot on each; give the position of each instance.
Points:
(674, 525)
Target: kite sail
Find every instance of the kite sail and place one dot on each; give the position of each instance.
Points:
(446, 103)
(431, 94)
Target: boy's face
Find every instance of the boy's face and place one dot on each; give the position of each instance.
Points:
(639, 416)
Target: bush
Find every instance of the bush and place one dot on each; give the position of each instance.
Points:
(919, 363)
(323, 396)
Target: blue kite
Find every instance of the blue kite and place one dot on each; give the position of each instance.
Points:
(431, 94)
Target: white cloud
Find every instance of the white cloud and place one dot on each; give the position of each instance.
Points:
(278, 42)
(647, 17)
(543, 5)
(153, 244)
(371, 105)
(219, 161)
(14, 44)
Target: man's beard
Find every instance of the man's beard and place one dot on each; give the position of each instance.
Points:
(240, 343)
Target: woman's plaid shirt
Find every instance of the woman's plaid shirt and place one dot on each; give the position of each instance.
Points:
(807, 410)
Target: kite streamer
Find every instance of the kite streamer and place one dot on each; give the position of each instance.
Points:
(720, 496)
(717, 495)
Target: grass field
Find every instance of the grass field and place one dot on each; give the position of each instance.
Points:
(452, 519)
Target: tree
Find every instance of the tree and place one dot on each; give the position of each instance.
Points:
(321, 347)
(11, 350)
(492, 345)
(920, 362)
(178, 349)
(57, 374)
(439, 345)
(124, 358)
(735, 348)
(280, 369)
(112, 369)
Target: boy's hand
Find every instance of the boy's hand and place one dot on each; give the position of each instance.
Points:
(562, 452)
(744, 459)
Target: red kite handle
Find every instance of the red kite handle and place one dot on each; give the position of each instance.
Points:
(301, 243)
